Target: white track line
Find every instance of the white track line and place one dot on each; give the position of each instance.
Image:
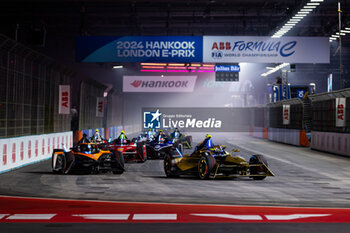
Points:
(103, 216)
(31, 216)
(154, 217)
(231, 216)
(294, 216)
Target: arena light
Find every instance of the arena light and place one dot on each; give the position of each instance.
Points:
(175, 67)
(177, 71)
(302, 13)
(152, 70)
(152, 67)
(176, 64)
(117, 67)
(153, 64)
(276, 68)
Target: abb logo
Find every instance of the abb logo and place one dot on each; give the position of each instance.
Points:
(43, 147)
(340, 111)
(29, 149)
(286, 114)
(65, 99)
(221, 46)
(13, 152)
(4, 155)
(100, 106)
(22, 150)
(36, 148)
(48, 145)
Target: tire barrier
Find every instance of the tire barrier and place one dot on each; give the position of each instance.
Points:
(22, 151)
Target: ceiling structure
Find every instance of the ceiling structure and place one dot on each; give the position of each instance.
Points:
(155, 17)
(63, 20)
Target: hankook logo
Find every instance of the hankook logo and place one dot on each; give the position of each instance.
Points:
(172, 84)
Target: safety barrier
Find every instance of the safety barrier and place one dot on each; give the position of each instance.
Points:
(338, 143)
(20, 151)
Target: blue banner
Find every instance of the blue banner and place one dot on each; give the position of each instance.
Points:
(139, 49)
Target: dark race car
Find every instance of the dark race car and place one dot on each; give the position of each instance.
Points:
(215, 162)
(132, 151)
(86, 158)
(157, 149)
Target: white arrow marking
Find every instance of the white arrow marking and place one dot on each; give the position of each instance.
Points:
(154, 217)
(104, 216)
(231, 216)
(31, 216)
(294, 216)
(3, 215)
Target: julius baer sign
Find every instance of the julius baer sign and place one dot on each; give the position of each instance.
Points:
(194, 119)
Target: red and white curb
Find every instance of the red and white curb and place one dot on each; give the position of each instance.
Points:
(13, 209)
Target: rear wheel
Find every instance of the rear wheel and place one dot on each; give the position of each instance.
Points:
(258, 170)
(206, 165)
(60, 165)
(168, 167)
(120, 163)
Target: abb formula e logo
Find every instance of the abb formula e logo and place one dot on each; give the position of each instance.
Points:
(152, 120)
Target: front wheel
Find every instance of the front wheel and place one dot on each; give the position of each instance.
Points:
(206, 165)
(168, 167)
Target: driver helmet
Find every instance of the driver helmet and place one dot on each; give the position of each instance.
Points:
(208, 136)
(84, 135)
(122, 132)
(176, 130)
(97, 131)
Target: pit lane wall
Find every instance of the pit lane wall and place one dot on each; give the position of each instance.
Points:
(271, 123)
(21, 151)
(331, 121)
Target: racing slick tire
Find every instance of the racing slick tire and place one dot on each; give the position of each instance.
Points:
(141, 151)
(206, 165)
(60, 162)
(168, 167)
(120, 163)
(257, 159)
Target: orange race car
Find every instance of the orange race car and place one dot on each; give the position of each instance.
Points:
(87, 158)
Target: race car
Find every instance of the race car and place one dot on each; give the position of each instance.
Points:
(215, 162)
(87, 158)
(158, 149)
(132, 151)
(185, 140)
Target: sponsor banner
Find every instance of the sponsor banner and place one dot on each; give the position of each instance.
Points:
(99, 107)
(139, 49)
(20, 151)
(197, 119)
(64, 99)
(159, 84)
(265, 49)
(286, 114)
(340, 112)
